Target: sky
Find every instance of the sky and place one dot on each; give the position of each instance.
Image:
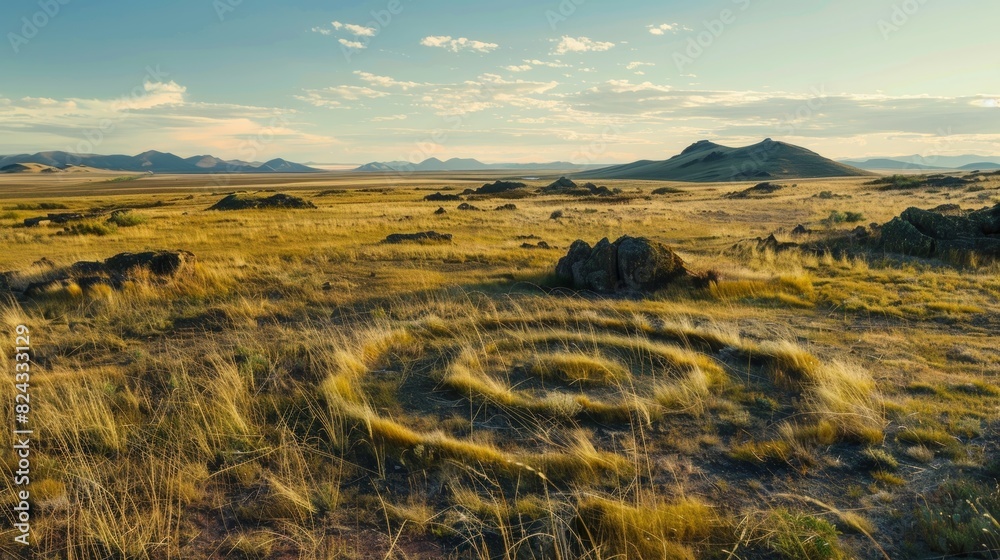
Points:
(588, 81)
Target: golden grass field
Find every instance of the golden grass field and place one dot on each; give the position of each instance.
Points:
(307, 392)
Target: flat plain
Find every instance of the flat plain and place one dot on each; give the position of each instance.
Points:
(304, 390)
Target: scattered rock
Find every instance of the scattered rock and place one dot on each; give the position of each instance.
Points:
(500, 187)
(421, 237)
(630, 264)
(466, 207)
(567, 187)
(539, 245)
(439, 197)
(237, 201)
(905, 182)
(557, 215)
(801, 230)
(506, 208)
(756, 191)
(440, 211)
(112, 272)
(60, 218)
(928, 233)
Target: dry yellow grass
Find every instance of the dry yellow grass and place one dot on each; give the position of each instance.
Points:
(336, 397)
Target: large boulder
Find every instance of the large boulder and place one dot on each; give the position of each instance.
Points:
(599, 272)
(630, 264)
(646, 266)
(943, 232)
(579, 251)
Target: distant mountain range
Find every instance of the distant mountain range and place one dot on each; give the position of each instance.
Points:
(151, 161)
(706, 162)
(460, 164)
(927, 163)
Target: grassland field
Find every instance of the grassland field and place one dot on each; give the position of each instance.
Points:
(305, 391)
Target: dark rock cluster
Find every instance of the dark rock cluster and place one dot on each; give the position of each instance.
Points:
(943, 232)
(567, 187)
(630, 264)
(45, 277)
(439, 197)
(237, 201)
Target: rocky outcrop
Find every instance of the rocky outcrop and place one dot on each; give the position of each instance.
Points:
(237, 201)
(757, 191)
(439, 197)
(646, 266)
(421, 237)
(630, 264)
(943, 234)
(500, 187)
(45, 278)
(567, 187)
(158, 263)
(559, 186)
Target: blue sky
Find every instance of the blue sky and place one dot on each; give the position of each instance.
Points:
(582, 80)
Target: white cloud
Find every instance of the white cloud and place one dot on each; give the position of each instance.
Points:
(357, 30)
(385, 81)
(352, 44)
(488, 91)
(460, 44)
(162, 116)
(333, 97)
(390, 118)
(518, 68)
(663, 28)
(322, 31)
(580, 44)
(637, 65)
(550, 64)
